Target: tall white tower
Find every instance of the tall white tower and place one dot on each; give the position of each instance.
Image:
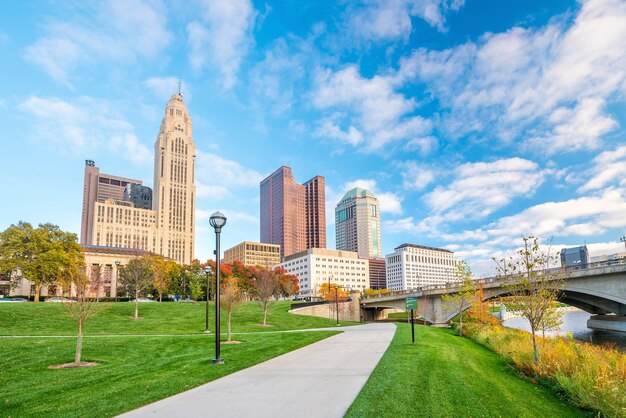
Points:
(174, 195)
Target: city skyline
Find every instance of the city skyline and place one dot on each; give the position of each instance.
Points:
(472, 123)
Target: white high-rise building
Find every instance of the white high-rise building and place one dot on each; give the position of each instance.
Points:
(316, 266)
(168, 227)
(411, 266)
(357, 223)
(174, 184)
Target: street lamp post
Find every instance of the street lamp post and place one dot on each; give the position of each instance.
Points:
(217, 221)
(207, 272)
(623, 239)
(117, 278)
(337, 302)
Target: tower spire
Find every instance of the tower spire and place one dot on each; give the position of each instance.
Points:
(180, 82)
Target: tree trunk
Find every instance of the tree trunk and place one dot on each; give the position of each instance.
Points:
(264, 314)
(79, 342)
(136, 304)
(37, 291)
(160, 297)
(229, 313)
(535, 353)
(461, 323)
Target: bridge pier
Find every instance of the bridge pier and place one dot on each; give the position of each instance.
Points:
(607, 322)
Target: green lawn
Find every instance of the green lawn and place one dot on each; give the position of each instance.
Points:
(157, 318)
(446, 375)
(133, 371)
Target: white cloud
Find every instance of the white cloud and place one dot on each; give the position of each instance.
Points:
(382, 20)
(109, 31)
(231, 215)
(221, 37)
(416, 176)
(214, 192)
(129, 146)
(575, 129)
(549, 83)
(607, 167)
(375, 114)
(213, 170)
(164, 87)
(84, 125)
(480, 189)
(585, 216)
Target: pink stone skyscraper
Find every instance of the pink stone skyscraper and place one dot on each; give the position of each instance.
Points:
(293, 215)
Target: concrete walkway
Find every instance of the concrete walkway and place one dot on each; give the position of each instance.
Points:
(319, 380)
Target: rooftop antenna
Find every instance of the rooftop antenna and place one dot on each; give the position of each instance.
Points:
(180, 82)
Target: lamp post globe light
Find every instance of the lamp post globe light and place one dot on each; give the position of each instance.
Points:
(217, 221)
(207, 271)
(623, 239)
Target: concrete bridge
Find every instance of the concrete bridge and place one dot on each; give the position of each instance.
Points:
(599, 289)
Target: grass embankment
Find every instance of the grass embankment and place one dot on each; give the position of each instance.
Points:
(156, 318)
(133, 371)
(592, 376)
(446, 375)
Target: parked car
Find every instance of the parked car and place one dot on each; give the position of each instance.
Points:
(59, 299)
(142, 300)
(13, 300)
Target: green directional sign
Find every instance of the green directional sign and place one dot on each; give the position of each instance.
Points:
(411, 303)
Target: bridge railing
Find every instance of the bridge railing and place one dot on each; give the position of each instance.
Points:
(488, 280)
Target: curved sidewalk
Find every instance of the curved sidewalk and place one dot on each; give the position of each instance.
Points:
(319, 380)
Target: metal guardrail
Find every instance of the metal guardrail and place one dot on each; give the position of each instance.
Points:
(488, 280)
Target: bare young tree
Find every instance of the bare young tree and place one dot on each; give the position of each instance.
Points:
(463, 295)
(532, 283)
(231, 299)
(266, 289)
(136, 276)
(83, 306)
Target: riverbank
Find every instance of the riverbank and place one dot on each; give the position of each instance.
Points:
(593, 377)
(446, 375)
(575, 324)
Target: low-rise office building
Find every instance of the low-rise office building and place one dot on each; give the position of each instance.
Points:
(254, 254)
(411, 266)
(316, 266)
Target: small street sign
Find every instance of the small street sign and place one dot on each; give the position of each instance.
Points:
(411, 303)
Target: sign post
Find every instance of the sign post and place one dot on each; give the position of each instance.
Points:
(411, 304)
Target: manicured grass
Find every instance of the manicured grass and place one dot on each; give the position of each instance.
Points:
(133, 371)
(157, 318)
(446, 375)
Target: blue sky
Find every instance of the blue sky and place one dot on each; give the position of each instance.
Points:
(474, 122)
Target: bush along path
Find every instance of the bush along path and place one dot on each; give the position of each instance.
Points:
(446, 375)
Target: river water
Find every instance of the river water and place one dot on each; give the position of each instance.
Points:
(575, 322)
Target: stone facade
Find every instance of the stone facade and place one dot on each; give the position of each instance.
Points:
(254, 254)
(411, 266)
(316, 266)
(168, 227)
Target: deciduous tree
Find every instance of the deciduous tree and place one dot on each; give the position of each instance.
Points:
(462, 296)
(162, 276)
(84, 305)
(136, 276)
(231, 299)
(532, 283)
(39, 255)
(266, 288)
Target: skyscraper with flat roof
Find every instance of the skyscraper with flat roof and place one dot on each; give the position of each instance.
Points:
(357, 223)
(293, 215)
